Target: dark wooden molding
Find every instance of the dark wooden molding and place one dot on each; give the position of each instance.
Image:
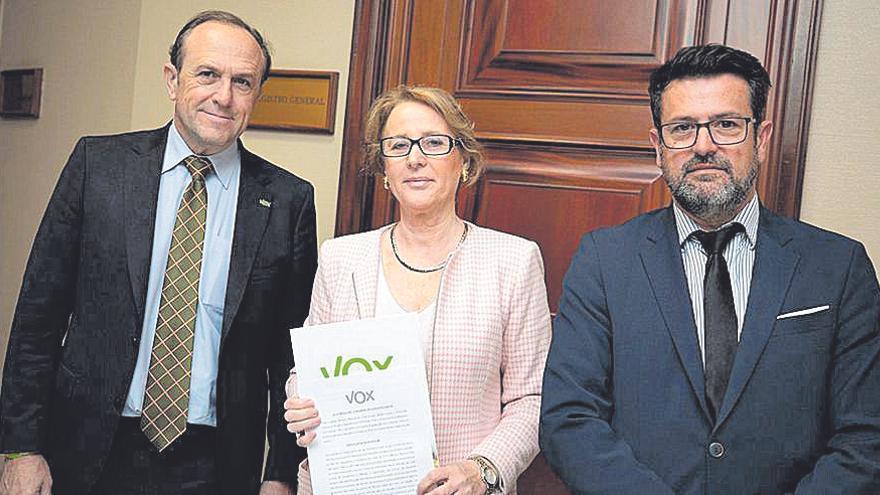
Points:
(365, 81)
(796, 66)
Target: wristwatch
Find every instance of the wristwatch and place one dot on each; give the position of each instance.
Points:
(489, 474)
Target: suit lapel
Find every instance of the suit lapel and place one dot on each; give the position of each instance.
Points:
(251, 219)
(775, 265)
(661, 257)
(140, 194)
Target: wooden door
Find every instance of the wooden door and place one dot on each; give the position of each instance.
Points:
(558, 92)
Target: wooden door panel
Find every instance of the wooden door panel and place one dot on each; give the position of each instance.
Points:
(433, 30)
(745, 24)
(540, 193)
(513, 210)
(576, 25)
(561, 120)
(590, 46)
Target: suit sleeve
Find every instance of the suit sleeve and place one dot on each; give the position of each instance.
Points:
(284, 455)
(578, 403)
(851, 462)
(42, 314)
(319, 313)
(514, 442)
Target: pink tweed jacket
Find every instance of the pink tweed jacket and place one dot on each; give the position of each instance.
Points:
(488, 347)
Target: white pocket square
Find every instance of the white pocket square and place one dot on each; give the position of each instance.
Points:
(802, 312)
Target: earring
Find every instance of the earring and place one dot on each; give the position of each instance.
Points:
(385, 182)
(464, 174)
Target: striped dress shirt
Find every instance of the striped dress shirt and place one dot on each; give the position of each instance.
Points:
(739, 255)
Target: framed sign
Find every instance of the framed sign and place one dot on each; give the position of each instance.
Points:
(20, 92)
(297, 100)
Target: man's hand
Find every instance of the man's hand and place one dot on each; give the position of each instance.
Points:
(275, 488)
(461, 478)
(27, 475)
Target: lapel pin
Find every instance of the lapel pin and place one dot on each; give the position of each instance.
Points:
(265, 203)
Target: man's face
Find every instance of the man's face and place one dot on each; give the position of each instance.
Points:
(711, 182)
(217, 85)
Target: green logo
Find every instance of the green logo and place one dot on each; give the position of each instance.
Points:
(343, 368)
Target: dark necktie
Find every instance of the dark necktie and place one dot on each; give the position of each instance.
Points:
(719, 314)
(166, 398)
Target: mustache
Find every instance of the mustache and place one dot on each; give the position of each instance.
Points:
(721, 163)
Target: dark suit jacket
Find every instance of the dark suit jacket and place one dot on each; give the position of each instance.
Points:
(624, 409)
(77, 325)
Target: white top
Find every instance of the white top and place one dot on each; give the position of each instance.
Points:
(386, 305)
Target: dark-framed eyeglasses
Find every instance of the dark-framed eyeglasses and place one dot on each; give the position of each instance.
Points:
(433, 145)
(723, 132)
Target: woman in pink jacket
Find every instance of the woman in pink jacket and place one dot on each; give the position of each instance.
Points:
(479, 293)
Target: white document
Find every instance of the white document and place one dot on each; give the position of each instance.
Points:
(367, 378)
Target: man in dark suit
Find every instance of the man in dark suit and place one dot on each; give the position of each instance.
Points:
(714, 347)
(153, 316)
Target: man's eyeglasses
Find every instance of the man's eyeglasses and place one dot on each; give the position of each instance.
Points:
(723, 132)
(433, 145)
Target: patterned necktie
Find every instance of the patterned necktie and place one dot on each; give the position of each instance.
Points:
(166, 398)
(719, 315)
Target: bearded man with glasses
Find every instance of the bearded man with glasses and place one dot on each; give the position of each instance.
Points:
(714, 347)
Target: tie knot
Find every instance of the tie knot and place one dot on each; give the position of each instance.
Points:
(198, 166)
(714, 242)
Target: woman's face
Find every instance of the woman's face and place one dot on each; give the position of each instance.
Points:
(421, 183)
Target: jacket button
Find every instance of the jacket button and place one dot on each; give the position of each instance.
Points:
(119, 401)
(136, 340)
(716, 450)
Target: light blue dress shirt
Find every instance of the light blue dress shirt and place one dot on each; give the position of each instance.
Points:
(222, 200)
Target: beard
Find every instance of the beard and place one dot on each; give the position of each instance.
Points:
(711, 206)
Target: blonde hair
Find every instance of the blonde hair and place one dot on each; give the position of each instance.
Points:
(441, 102)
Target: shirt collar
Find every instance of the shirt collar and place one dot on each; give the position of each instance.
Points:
(747, 217)
(224, 162)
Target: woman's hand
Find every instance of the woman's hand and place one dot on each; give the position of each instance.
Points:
(302, 419)
(461, 478)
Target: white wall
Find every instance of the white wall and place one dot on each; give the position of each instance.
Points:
(842, 177)
(88, 77)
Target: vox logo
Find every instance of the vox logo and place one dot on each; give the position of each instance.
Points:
(359, 396)
(342, 367)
